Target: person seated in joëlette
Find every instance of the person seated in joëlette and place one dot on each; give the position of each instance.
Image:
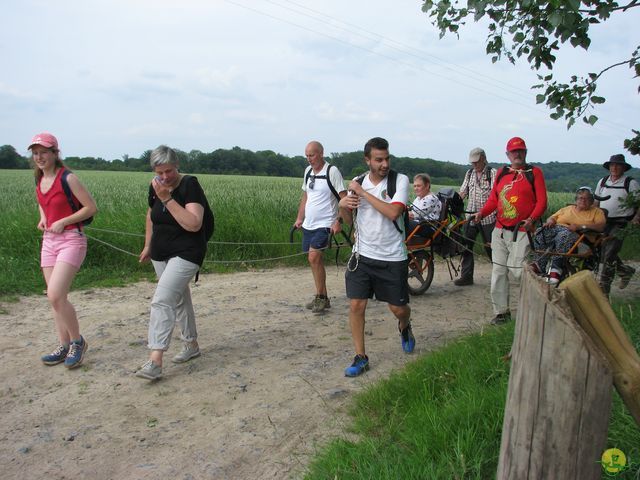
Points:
(425, 209)
(560, 232)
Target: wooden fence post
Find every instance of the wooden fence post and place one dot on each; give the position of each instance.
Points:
(559, 398)
(593, 312)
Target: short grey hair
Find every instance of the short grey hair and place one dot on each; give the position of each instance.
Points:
(426, 179)
(163, 155)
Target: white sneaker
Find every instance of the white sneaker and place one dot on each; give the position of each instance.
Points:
(150, 371)
(189, 350)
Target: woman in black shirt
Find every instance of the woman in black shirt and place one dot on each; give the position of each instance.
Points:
(175, 243)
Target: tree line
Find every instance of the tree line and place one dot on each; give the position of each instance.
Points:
(238, 161)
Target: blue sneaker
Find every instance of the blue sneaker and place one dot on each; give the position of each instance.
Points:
(360, 365)
(408, 340)
(55, 357)
(76, 353)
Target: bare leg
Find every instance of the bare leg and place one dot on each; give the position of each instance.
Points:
(357, 308)
(59, 279)
(318, 271)
(402, 313)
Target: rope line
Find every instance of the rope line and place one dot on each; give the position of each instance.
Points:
(210, 242)
(428, 222)
(110, 245)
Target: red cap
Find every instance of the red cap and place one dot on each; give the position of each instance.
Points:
(516, 143)
(45, 139)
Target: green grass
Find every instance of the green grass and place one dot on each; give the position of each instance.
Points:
(441, 416)
(247, 209)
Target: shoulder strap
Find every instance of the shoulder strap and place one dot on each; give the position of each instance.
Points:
(392, 179)
(487, 170)
(503, 171)
(627, 182)
(67, 190)
(331, 187)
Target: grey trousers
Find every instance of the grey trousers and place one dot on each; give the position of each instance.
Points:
(171, 303)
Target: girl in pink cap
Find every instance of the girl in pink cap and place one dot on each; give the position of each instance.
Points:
(64, 203)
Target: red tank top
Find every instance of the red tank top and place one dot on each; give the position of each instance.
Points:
(54, 202)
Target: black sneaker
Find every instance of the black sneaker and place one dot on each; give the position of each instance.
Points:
(501, 318)
(463, 282)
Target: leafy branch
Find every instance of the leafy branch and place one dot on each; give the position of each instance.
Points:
(535, 29)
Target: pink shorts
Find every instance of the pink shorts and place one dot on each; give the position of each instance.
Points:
(69, 247)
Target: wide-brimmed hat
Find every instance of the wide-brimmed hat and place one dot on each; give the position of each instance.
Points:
(619, 159)
(45, 139)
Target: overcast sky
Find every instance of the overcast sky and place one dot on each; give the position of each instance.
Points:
(116, 78)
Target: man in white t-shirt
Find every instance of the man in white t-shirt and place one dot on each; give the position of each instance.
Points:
(376, 203)
(616, 186)
(322, 187)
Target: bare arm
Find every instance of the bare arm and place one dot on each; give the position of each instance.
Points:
(148, 231)
(336, 227)
(188, 217)
(390, 210)
(42, 224)
(301, 207)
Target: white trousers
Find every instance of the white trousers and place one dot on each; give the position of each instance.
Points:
(171, 303)
(507, 256)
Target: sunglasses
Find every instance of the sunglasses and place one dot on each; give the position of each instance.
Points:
(312, 182)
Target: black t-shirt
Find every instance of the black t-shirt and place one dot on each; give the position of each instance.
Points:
(169, 239)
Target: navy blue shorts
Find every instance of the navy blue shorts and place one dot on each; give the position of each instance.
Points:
(387, 280)
(316, 239)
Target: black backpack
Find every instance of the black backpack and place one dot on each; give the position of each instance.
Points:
(71, 200)
(392, 178)
(208, 220)
(451, 202)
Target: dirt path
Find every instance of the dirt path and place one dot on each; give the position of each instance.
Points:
(267, 390)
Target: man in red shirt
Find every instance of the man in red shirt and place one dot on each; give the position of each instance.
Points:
(519, 195)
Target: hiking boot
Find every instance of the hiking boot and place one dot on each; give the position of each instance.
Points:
(407, 338)
(625, 276)
(320, 304)
(76, 353)
(501, 318)
(55, 357)
(189, 350)
(463, 282)
(310, 305)
(360, 365)
(150, 371)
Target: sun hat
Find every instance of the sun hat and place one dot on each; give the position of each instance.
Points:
(476, 154)
(45, 139)
(619, 159)
(516, 143)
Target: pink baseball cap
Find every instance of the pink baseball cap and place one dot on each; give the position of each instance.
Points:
(45, 139)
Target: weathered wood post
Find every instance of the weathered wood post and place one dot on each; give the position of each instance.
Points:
(559, 398)
(593, 312)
